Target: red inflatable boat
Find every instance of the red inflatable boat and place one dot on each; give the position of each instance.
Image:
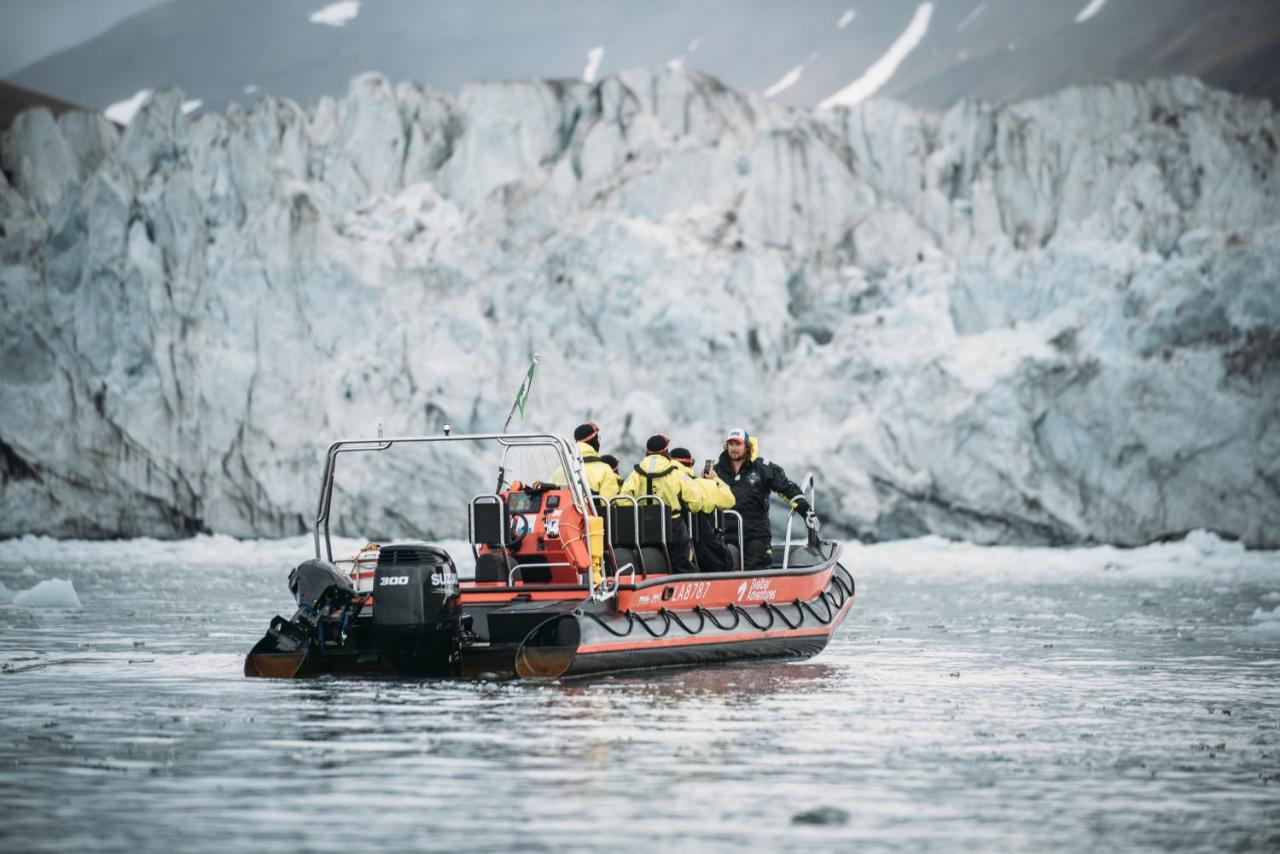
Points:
(565, 585)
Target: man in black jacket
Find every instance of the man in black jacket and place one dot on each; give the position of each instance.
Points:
(752, 478)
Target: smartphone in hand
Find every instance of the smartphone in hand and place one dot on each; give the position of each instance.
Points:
(706, 469)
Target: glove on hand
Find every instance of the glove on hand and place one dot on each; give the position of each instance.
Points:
(811, 520)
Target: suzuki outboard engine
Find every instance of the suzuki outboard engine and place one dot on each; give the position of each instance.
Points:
(417, 618)
(320, 590)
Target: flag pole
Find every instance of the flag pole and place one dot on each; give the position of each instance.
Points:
(522, 397)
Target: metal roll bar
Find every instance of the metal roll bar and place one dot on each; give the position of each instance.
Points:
(511, 576)
(811, 483)
(570, 461)
(607, 590)
(742, 557)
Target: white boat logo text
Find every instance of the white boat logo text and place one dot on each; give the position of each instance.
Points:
(758, 591)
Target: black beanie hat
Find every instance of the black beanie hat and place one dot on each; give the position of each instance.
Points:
(588, 433)
(681, 455)
(657, 444)
(611, 460)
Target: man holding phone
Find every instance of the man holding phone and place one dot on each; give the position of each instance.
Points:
(752, 479)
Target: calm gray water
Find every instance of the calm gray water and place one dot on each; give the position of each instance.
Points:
(975, 699)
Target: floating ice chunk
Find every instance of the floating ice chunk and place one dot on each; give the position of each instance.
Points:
(122, 112)
(251, 89)
(1090, 10)
(1273, 596)
(785, 82)
(846, 19)
(336, 14)
(884, 67)
(189, 107)
(593, 64)
(50, 593)
(1207, 543)
(1269, 631)
(1201, 556)
(1266, 626)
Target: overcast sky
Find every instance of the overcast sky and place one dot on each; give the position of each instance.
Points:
(34, 29)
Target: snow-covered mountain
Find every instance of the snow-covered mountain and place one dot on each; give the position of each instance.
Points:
(1055, 321)
(930, 54)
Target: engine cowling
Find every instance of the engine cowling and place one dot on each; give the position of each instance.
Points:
(416, 608)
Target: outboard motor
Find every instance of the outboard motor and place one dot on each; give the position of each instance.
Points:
(320, 589)
(417, 616)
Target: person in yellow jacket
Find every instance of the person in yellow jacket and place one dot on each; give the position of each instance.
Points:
(714, 494)
(709, 549)
(602, 480)
(657, 475)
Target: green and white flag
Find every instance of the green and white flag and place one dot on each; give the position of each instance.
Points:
(522, 396)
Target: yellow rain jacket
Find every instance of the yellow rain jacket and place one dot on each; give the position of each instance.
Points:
(714, 494)
(670, 482)
(601, 479)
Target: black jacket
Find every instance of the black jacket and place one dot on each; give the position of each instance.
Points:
(751, 487)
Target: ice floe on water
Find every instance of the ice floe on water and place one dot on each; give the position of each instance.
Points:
(50, 593)
(1265, 625)
(205, 550)
(1200, 556)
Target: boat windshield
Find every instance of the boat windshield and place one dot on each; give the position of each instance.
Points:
(531, 463)
(423, 489)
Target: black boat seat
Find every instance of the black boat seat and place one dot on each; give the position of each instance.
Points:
(493, 566)
(620, 556)
(647, 554)
(655, 533)
(491, 521)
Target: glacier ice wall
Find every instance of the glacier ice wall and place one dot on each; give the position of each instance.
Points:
(1052, 321)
